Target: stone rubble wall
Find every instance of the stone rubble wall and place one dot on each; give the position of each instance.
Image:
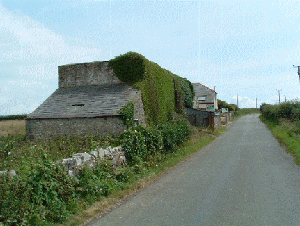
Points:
(79, 160)
(74, 164)
(10, 172)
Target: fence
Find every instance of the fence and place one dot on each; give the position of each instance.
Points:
(203, 118)
(198, 118)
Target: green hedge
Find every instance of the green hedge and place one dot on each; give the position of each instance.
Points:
(288, 110)
(12, 117)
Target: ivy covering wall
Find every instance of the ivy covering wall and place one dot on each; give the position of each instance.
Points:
(162, 91)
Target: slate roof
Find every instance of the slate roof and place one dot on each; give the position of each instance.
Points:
(85, 101)
(204, 91)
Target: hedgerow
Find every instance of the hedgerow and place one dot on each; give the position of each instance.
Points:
(285, 116)
(288, 110)
(13, 117)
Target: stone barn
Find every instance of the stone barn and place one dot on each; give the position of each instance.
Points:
(87, 101)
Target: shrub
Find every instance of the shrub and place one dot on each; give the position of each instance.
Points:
(90, 186)
(146, 143)
(44, 195)
(133, 144)
(174, 133)
(153, 139)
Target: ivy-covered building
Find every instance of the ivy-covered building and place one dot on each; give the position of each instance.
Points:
(89, 100)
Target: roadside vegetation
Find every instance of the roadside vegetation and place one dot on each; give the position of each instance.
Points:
(237, 112)
(284, 122)
(42, 193)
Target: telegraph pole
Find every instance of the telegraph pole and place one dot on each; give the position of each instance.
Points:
(298, 71)
(279, 94)
(237, 100)
(256, 102)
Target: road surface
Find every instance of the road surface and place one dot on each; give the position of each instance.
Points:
(244, 177)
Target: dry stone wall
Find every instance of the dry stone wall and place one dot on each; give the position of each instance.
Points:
(79, 160)
(74, 164)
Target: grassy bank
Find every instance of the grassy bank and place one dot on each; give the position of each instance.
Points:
(284, 122)
(283, 132)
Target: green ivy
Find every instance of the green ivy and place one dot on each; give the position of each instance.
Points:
(162, 91)
(184, 92)
(127, 114)
(129, 68)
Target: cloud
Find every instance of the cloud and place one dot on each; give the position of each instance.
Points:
(27, 40)
(30, 54)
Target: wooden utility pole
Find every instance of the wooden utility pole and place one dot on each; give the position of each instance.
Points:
(279, 94)
(298, 71)
(237, 100)
(256, 103)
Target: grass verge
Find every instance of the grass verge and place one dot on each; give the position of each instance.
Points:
(282, 134)
(198, 140)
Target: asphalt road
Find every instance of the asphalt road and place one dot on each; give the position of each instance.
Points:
(244, 177)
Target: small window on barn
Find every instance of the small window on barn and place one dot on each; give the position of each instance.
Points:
(201, 98)
(78, 105)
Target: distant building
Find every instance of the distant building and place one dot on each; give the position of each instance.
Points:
(205, 99)
(87, 102)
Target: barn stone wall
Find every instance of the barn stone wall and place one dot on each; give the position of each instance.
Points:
(45, 128)
(94, 73)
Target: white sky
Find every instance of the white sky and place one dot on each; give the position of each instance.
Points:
(241, 47)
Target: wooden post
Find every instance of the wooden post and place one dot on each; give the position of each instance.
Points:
(211, 121)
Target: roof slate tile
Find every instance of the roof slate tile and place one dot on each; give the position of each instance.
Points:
(85, 101)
